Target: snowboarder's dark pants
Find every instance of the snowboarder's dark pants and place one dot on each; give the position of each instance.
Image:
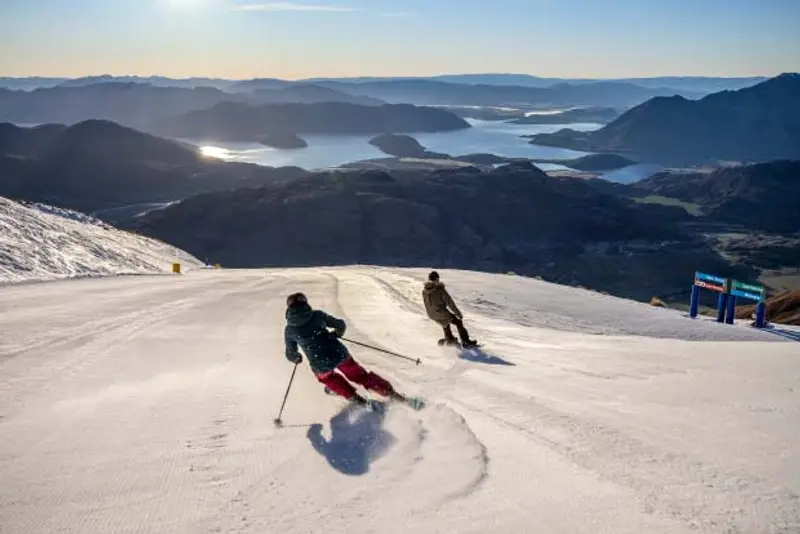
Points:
(462, 332)
(354, 372)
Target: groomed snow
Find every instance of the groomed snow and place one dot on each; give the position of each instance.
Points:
(145, 404)
(40, 242)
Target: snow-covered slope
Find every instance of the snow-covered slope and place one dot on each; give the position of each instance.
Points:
(39, 242)
(145, 404)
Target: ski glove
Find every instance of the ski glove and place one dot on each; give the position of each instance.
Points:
(297, 358)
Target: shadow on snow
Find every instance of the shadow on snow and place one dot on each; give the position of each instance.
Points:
(357, 438)
(479, 356)
(788, 334)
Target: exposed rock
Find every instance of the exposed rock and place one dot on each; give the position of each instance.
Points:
(783, 308)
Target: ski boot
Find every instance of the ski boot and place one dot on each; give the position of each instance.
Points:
(371, 405)
(444, 342)
(470, 344)
(416, 403)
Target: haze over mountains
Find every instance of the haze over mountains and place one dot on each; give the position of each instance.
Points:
(138, 101)
(693, 84)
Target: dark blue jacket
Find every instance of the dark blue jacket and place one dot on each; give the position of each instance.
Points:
(308, 328)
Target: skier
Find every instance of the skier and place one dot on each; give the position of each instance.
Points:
(329, 359)
(440, 307)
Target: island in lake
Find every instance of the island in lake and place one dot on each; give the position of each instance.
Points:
(283, 140)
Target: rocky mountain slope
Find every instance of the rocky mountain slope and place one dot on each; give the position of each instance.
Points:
(512, 218)
(764, 196)
(754, 124)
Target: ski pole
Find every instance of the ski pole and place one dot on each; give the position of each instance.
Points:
(278, 421)
(417, 361)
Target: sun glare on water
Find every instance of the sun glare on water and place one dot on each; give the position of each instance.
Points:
(215, 152)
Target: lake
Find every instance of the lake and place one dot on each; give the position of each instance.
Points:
(325, 151)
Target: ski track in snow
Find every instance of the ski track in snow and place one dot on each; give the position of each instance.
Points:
(146, 404)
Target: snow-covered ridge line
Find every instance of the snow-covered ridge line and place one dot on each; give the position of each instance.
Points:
(42, 242)
(65, 212)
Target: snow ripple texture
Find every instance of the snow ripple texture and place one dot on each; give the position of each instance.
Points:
(40, 242)
(146, 404)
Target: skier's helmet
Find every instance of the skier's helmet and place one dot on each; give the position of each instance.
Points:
(433, 276)
(296, 298)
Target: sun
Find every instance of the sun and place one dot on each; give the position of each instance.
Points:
(186, 4)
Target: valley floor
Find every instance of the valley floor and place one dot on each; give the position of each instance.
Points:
(146, 404)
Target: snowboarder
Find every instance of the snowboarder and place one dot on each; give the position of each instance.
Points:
(440, 307)
(329, 359)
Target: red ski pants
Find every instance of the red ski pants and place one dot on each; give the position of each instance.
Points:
(357, 374)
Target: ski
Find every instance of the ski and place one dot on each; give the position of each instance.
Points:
(374, 405)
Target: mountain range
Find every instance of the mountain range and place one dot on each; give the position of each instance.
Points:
(511, 218)
(514, 217)
(758, 123)
(434, 92)
(693, 84)
(139, 105)
(99, 165)
(236, 122)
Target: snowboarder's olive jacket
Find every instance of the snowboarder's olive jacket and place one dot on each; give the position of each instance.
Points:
(437, 301)
(308, 328)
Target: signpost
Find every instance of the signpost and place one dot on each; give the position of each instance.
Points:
(712, 283)
(750, 292)
(728, 291)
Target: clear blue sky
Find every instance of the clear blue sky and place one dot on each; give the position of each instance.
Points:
(249, 38)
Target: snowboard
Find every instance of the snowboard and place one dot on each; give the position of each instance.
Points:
(444, 343)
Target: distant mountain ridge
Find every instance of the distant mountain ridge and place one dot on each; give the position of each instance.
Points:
(697, 84)
(139, 105)
(132, 104)
(758, 123)
(236, 122)
(434, 92)
(311, 94)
